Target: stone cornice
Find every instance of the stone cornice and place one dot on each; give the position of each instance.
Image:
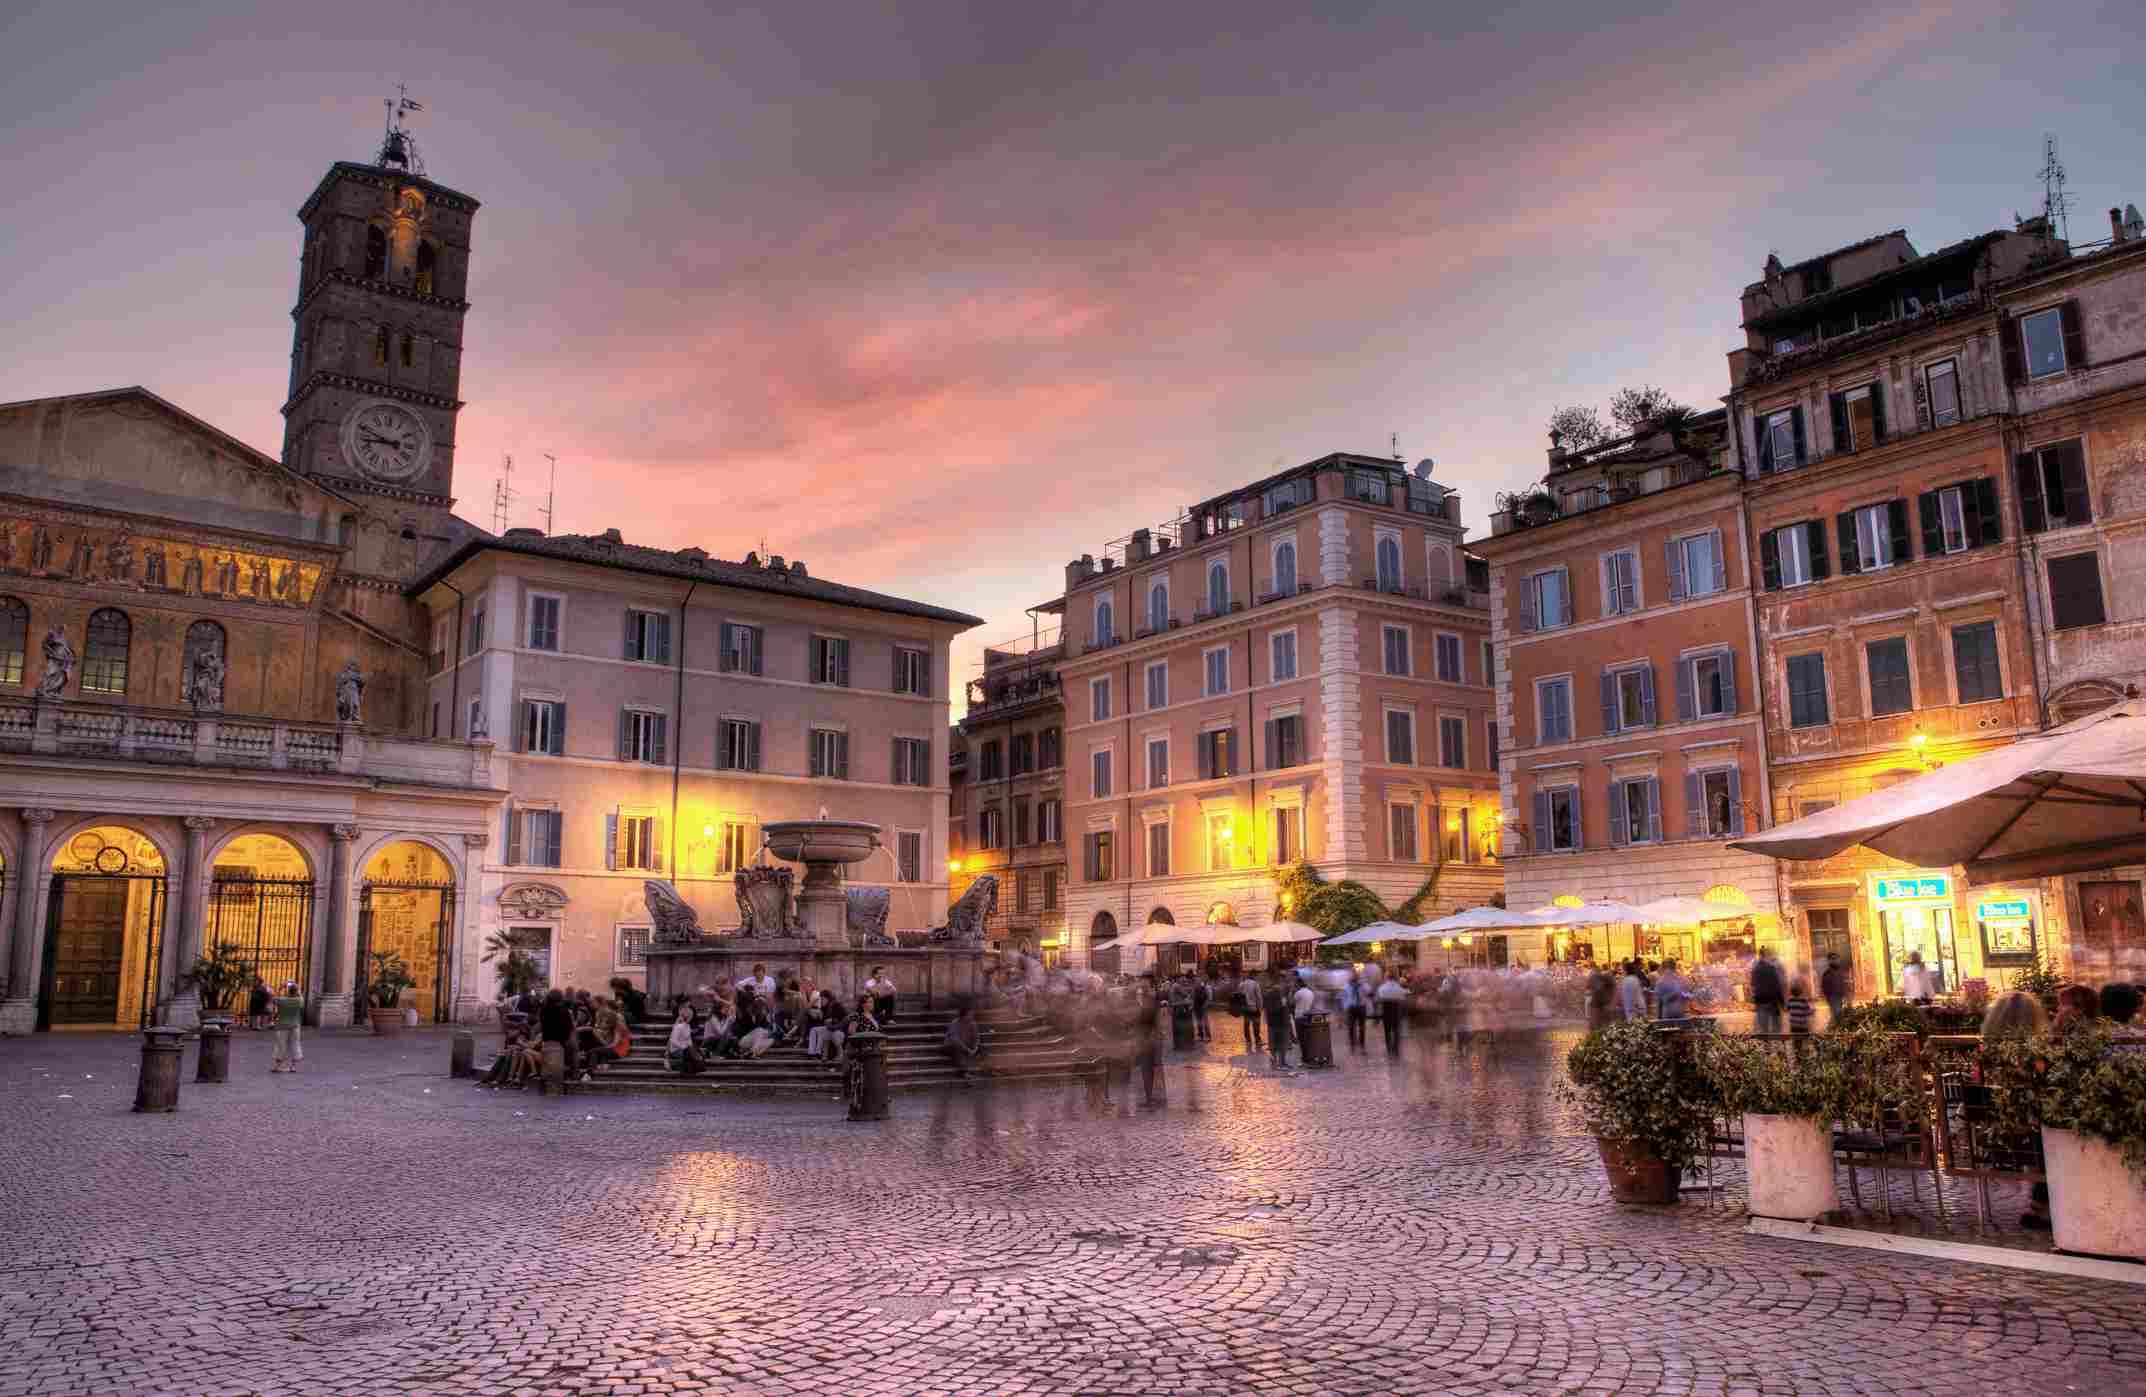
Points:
(392, 492)
(321, 378)
(337, 277)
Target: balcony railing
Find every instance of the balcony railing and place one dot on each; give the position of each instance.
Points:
(168, 737)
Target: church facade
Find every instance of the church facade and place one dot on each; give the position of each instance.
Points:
(222, 675)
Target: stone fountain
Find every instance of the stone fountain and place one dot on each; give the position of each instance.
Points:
(817, 930)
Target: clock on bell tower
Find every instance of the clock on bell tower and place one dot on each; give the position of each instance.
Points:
(376, 347)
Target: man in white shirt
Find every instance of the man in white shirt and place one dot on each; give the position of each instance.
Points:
(1917, 985)
(1248, 997)
(1392, 999)
(1306, 1000)
(881, 987)
(763, 984)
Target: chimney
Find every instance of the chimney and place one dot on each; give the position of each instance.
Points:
(2116, 225)
(1140, 546)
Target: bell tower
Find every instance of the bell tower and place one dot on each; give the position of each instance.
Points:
(376, 345)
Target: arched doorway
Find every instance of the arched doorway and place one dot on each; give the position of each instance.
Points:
(406, 910)
(1103, 943)
(260, 906)
(104, 931)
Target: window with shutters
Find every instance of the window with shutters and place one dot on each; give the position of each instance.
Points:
(534, 837)
(1218, 753)
(1781, 439)
(1975, 667)
(2041, 336)
(1395, 640)
(1400, 737)
(1696, 568)
(734, 846)
(1217, 665)
(912, 670)
(1448, 653)
(1050, 747)
(1635, 812)
(1891, 689)
(1217, 588)
(1282, 656)
(1106, 622)
(991, 828)
(1453, 743)
(1285, 568)
(648, 637)
(1023, 895)
(1099, 783)
(1548, 600)
(637, 847)
(1620, 582)
(1795, 554)
(1159, 605)
(1158, 762)
(2052, 487)
(829, 657)
(1024, 753)
(1858, 418)
(737, 744)
(1047, 827)
(1874, 533)
(1389, 563)
(1628, 699)
(1553, 710)
(1050, 889)
(830, 753)
(1097, 859)
(1401, 832)
(544, 727)
(1558, 814)
(1951, 520)
(1941, 389)
(1719, 809)
(1285, 741)
(1158, 678)
(990, 762)
(1713, 686)
(1807, 706)
(1490, 744)
(1158, 837)
(543, 622)
(2074, 592)
(476, 629)
(1288, 834)
(1099, 698)
(912, 761)
(641, 736)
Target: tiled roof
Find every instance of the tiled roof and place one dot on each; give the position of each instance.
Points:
(1810, 305)
(689, 565)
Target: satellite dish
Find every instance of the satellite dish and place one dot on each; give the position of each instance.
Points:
(1423, 468)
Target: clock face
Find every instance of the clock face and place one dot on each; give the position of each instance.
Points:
(386, 441)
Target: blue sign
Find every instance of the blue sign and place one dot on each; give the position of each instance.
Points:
(1931, 889)
(2012, 909)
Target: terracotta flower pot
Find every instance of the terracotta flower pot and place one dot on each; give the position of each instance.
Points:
(386, 1022)
(2097, 1204)
(1636, 1175)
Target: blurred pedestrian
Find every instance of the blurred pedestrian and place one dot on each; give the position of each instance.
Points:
(1355, 1008)
(1632, 994)
(1275, 1002)
(1249, 1005)
(290, 1008)
(1768, 992)
(1833, 984)
(1392, 999)
(1672, 995)
(1799, 1009)
(1916, 983)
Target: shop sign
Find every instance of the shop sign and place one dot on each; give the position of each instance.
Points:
(2006, 909)
(1929, 888)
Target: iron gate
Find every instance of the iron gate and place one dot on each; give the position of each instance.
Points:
(415, 920)
(86, 947)
(269, 923)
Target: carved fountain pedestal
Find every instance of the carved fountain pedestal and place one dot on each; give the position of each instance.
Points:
(825, 848)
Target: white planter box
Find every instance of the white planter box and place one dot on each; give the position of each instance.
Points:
(1789, 1162)
(2097, 1204)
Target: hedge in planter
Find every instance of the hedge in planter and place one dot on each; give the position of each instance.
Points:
(1789, 1101)
(1636, 1092)
(2070, 1081)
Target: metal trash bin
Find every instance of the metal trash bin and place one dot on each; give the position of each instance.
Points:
(1181, 1024)
(213, 1063)
(868, 1077)
(1318, 1045)
(158, 1088)
(462, 1057)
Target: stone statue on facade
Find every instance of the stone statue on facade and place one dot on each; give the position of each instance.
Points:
(227, 576)
(84, 558)
(59, 666)
(190, 575)
(40, 549)
(349, 692)
(764, 904)
(260, 580)
(966, 919)
(479, 729)
(287, 584)
(153, 565)
(205, 682)
(868, 908)
(119, 558)
(674, 922)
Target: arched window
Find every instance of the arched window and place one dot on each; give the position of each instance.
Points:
(427, 260)
(1105, 621)
(1103, 928)
(375, 253)
(1285, 569)
(380, 346)
(104, 652)
(1441, 565)
(409, 349)
(1162, 914)
(1217, 588)
(1159, 606)
(14, 639)
(1389, 564)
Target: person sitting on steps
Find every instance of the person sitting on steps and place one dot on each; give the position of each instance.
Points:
(964, 1041)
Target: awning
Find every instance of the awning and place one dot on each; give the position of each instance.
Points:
(1378, 931)
(1278, 933)
(1691, 911)
(1485, 919)
(2070, 800)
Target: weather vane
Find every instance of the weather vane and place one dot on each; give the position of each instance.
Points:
(397, 146)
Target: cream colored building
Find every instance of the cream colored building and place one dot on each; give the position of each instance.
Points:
(1297, 669)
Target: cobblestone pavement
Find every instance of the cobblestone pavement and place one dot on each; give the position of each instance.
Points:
(1435, 1226)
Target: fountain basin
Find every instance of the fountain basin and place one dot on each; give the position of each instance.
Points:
(812, 842)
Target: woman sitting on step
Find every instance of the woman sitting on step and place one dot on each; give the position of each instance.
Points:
(680, 1054)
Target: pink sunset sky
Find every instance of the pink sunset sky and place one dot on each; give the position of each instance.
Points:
(937, 296)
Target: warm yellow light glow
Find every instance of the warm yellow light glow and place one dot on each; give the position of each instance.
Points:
(1920, 738)
(1446, 944)
(707, 831)
(1453, 822)
(1467, 938)
(1287, 898)
(1568, 900)
(1376, 947)
(953, 865)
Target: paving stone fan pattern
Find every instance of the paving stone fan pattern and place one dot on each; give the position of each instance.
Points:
(1431, 1226)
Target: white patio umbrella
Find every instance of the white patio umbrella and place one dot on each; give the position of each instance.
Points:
(1377, 931)
(1691, 911)
(1279, 933)
(1484, 919)
(1163, 933)
(1602, 912)
(2070, 800)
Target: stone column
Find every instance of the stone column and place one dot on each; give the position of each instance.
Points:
(336, 1005)
(184, 1010)
(18, 1014)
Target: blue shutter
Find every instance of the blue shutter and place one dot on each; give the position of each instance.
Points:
(1687, 691)
(1676, 571)
(1694, 804)
(557, 745)
(1609, 703)
(1736, 800)
(611, 841)
(1654, 809)
(752, 747)
(514, 837)
(1542, 821)
(1728, 683)
(1619, 834)
(1646, 696)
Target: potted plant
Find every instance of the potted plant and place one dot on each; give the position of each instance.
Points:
(518, 970)
(217, 976)
(391, 976)
(2089, 1103)
(1633, 1087)
(1789, 1101)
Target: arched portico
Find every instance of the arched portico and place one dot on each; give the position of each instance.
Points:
(411, 908)
(102, 960)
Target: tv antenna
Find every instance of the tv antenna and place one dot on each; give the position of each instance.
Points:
(397, 146)
(502, 494)
(2056, 204)
(551, 491)
(1395, 440)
